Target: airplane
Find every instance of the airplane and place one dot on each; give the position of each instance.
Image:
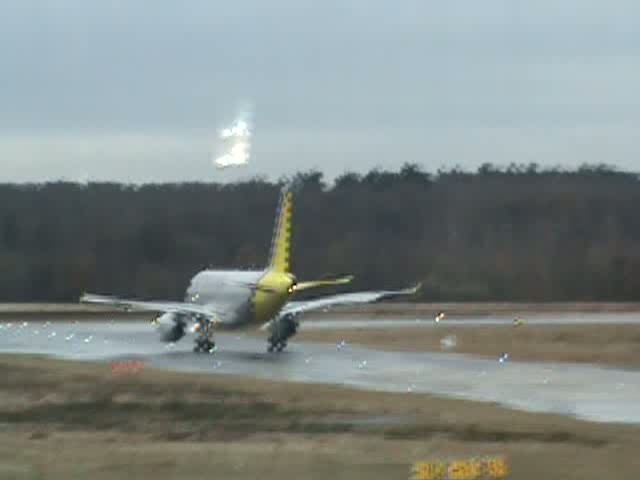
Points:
(235, 299)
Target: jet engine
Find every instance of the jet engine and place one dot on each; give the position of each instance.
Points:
(171, 327)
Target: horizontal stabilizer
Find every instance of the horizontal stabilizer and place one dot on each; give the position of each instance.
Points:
(323, 283)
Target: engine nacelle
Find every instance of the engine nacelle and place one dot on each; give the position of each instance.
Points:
(171, 327)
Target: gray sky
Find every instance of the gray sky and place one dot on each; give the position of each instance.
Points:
(136, 90)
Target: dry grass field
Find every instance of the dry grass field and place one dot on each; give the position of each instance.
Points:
(63, 420)
(605, 344)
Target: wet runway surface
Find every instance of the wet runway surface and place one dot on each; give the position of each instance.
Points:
(459, 321)
(590, 392)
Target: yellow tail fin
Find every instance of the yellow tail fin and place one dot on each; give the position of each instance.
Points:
(281, 243)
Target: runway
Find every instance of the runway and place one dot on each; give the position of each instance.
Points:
(584, 391)
(328, 322)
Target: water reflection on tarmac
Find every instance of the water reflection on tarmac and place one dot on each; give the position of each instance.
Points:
(585, 391)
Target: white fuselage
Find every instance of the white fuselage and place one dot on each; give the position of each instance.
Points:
(229, 292)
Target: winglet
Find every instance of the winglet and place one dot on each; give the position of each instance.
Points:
(90, 298)
(407, 291)
(98, 299)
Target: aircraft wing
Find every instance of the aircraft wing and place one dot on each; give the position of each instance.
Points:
(152, 306)
(298, 307)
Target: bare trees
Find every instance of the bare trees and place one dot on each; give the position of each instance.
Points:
(520, 233)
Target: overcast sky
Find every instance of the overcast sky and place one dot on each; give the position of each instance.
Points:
(136, 90)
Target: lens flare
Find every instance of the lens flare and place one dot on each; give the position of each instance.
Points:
(235, 144)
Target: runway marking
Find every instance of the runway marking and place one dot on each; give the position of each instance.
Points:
(123, 367)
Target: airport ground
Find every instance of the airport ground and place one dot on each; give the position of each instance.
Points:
(615, 345)
(607, 344)
(75, 419)
(71, 420)
(382, 309)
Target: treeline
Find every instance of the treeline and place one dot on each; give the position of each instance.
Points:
(519, 233)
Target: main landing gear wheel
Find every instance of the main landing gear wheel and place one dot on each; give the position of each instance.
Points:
(276, 346)
(204, 345)
(281, 330)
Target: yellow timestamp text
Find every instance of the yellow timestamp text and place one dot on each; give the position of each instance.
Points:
(489, 468)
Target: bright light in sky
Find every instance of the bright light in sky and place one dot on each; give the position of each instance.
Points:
(236, 145)
(240, 129)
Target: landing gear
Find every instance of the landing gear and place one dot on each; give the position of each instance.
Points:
(281, 330)
(276, 346)
(204, 342)
(204, 345)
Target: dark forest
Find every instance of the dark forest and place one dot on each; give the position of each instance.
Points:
(503, 234)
